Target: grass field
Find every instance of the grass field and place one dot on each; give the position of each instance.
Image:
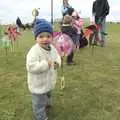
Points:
(92, 90)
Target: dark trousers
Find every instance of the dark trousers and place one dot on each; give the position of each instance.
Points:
(70, 57)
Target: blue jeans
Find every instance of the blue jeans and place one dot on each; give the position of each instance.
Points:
(39, 103)
(103, 30)
(76, 39)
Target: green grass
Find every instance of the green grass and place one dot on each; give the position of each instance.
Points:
(92, 90)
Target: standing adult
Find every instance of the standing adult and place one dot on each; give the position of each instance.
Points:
(100, 10)
(66, 8)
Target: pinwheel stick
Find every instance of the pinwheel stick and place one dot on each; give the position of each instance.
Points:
(64, 46)
(62, 79)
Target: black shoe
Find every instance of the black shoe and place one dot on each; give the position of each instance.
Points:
(103, 33)
(71, 63)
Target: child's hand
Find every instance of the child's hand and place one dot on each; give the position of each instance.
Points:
(50, 63)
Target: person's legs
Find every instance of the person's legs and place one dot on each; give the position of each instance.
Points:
(77, 41)
(49, 99)
(74, 40)
(103, 32)
(70, 57)
(39, 102)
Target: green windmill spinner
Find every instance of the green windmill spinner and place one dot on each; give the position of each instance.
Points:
(6, 43)
(86, 22)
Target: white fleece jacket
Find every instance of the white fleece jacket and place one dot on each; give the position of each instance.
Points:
(41, 78)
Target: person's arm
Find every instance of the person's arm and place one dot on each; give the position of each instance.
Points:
(93, 9)
(106, 9)
(35, 66)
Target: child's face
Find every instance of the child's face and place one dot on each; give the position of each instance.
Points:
(44, 38)
(75, 17)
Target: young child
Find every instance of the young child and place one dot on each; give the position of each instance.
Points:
(77, 23)
(42, 61)
(71, 31)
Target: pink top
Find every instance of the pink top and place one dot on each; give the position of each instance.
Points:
(78, 24)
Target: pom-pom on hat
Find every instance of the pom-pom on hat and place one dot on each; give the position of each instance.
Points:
(41, 25)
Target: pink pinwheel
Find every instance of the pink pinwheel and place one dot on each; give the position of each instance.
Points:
(13, 33)
(90, 29)
(63, 44)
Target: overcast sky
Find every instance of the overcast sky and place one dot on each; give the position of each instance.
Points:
(11, 9)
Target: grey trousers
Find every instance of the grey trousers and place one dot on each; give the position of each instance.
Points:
(39, 104)
(103, 30)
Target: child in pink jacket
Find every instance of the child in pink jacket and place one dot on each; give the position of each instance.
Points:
(77, 23)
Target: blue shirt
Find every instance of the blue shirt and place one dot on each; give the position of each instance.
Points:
(65, 9)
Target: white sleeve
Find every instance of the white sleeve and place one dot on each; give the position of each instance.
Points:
(35, 66)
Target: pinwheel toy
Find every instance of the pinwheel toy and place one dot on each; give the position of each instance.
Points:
(86, 22)
(64, 46)
(5, 42)
(91, 33)
(13, 34)
(35, 12)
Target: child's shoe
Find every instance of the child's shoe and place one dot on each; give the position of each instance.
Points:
(71, 63)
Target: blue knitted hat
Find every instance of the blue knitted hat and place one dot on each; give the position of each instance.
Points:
(41, 25)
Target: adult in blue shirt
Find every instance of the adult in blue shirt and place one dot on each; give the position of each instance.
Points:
(66, 8)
